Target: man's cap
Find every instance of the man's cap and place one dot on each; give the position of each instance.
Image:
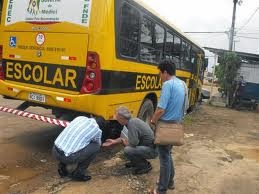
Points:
(124, 112)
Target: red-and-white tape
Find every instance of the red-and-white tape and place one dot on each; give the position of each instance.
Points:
(35, 116)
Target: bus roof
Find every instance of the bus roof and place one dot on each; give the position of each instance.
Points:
(147, 7)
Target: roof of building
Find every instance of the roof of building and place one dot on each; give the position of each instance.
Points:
(244, 56)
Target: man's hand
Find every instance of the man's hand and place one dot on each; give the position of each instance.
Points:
(157, 115)
(153, 126)
(109, 142)
(124, 142)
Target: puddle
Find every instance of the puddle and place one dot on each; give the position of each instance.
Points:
(19, 165)
(13, 177)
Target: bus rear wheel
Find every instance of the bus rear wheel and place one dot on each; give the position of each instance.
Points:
(146, 111)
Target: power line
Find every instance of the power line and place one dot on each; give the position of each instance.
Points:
(248, 37)
(215, 32)
(247, 33)
(219, 32)
(249, 19)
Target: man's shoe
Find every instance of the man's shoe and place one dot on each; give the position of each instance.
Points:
(62, 171)
(130, 165)
(81, 177)
(170, 185)
(142, 170)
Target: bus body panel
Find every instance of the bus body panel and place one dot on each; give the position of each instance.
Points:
(124, 82)
(55, 64)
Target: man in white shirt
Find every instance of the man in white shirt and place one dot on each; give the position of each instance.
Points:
(78, 144)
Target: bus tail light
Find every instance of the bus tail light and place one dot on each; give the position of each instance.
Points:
(1, 65)
(92, 80)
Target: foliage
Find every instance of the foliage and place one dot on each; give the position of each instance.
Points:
(226, 72)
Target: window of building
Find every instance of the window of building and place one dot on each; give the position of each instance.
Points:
(129, 31)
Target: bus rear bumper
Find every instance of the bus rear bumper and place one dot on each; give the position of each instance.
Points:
(86, 103)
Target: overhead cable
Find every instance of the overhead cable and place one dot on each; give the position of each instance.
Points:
(249, 19)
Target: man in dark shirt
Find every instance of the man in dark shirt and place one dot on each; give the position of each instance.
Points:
(239, 91)
(240, 88)
(140, 143)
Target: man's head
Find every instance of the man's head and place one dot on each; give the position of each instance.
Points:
(167, 69)
(122, 115)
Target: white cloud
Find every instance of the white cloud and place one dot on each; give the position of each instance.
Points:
(212, 15)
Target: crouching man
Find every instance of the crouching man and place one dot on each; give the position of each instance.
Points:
(78, 144)
(140, 143)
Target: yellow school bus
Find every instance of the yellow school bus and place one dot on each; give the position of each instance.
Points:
(90, 56)
(1, 36)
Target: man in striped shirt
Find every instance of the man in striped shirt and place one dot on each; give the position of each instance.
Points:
(78, 144)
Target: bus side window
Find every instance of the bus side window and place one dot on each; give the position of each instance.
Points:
(147, 52)
(152, 41)
(202, 68)
(186, 49)
(159, 37)
(194, 60)
(169, 46)
(129, 31)
(177, 51)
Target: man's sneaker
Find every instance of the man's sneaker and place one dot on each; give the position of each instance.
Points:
(130, 165)
(142, 170)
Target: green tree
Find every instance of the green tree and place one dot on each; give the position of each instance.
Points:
(226, 73)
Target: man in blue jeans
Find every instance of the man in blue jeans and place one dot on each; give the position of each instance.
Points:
(169, 110)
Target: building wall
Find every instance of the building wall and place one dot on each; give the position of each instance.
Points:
(250, 72)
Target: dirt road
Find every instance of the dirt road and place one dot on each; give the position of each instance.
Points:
(221, 156)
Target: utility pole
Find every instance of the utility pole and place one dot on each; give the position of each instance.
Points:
(232, 30)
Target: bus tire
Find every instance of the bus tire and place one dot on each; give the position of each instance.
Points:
(146, 111)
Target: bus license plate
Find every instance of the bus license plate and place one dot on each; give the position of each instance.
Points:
(37, 97)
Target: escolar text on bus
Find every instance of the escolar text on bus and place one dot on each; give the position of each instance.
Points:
(147, 82)
(47, 75)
